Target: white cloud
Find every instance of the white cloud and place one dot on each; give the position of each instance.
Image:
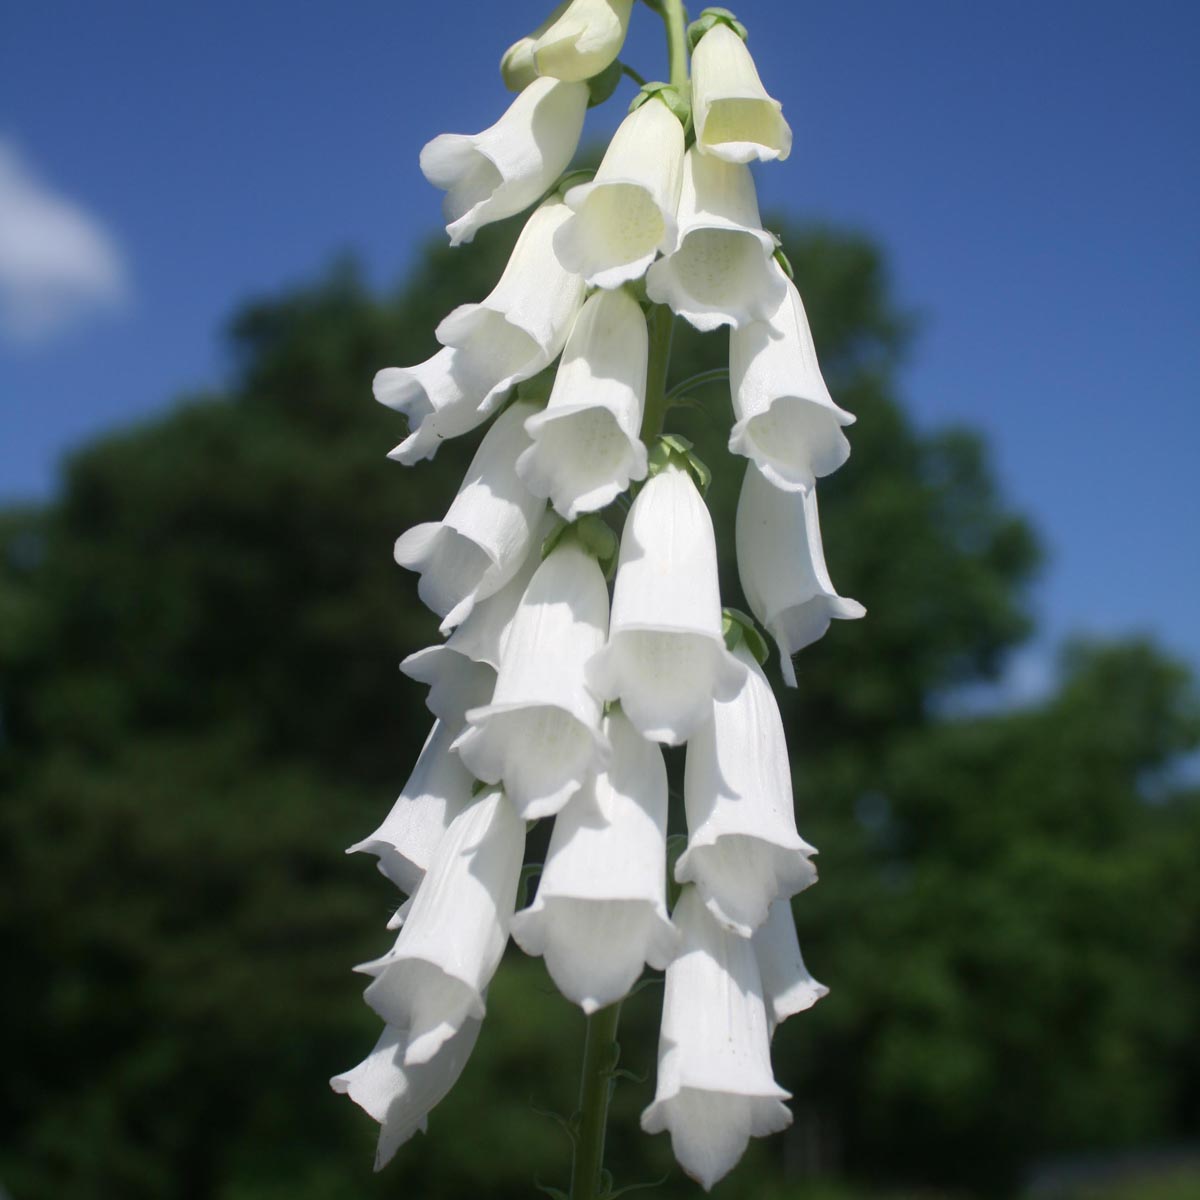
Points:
(57, 262)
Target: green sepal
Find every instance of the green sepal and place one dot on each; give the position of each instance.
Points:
(707, 19)
(670, 95)
(594, 535)
(673, 449)
(784, 262)
(601, 86)
(676, 845)
(554, 536)
(538, 387)
(572, 179)
(738, 627)
(528, 872)
(479, 787)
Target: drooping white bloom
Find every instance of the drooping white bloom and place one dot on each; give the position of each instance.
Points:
(734, 117)
(721, 271)
(494, 174)
(583, 40)
(600, 911)
(743, 850)
(540, 736)
(788, 988)
(786, 420)
(433, 979)
(456, 681)
(401, 1097)
(715, 1087)
(626, 215)
(781, 563)
(438, 789)
(479, 545)
(666, 658)
(586, 442)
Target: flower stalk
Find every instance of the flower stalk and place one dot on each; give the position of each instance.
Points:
(600, 1054)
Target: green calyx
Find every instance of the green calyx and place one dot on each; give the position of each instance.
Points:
(673, 450)
(784, 262)
(601, 86)
(671, 96)
(737, 629)
(593, 535)
(710, 17)
(572, 179)
(676, 845)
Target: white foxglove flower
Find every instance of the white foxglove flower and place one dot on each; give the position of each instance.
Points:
(715, 1087)
(401, 1097)
(743, 850)
(583, 41)
(600, 911)
(586, 443)
(523, 323)
(786, 420)
(666, 657)
(626, 215)
(438, 789)
(721, 272)
(440, 398)
(782, 567)
(481, 542)
(788, 988)
(433, 980)
(494, 174)
(540, 736)
(734, 117)
(456, 682)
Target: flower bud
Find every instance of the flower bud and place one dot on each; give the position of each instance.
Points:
(626, 215)
(786, 420)
(781, 564)
(734, 117)
(715, 1088)
(494, 174)
(583, 40)
(720, 272)
(586, 442)
(481, 542)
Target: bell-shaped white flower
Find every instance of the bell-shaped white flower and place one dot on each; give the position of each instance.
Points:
(600, 911)
(781, 563)
(666, 658)
(586, 442)
(786, 420)
(540, 736)
(584, 39)
(743, 850)
(456, 681)
(401, 1097)
(438, 789)
(721, 271)
(494, 174)
(433, 979)
(626, 215)
(523, 323)
(788, 988)
(733, 116)
(715, 1088)
(480, 543)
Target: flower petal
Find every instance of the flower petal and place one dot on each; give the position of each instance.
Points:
(787, 985)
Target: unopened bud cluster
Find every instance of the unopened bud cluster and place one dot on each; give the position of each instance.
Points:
(551, 696)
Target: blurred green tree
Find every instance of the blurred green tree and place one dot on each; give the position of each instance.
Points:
(199, 707)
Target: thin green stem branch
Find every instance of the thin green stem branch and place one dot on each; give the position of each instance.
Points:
(661, 322)
(600, 1052)
(715, 375)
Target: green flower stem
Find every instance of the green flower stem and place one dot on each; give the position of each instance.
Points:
(716, 375)
(661, 321)
(675, 16)
(600, 1052)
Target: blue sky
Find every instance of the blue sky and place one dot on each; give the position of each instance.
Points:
(1031, 169)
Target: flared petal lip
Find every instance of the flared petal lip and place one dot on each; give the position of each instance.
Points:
(475, 716)
(757, 1092)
